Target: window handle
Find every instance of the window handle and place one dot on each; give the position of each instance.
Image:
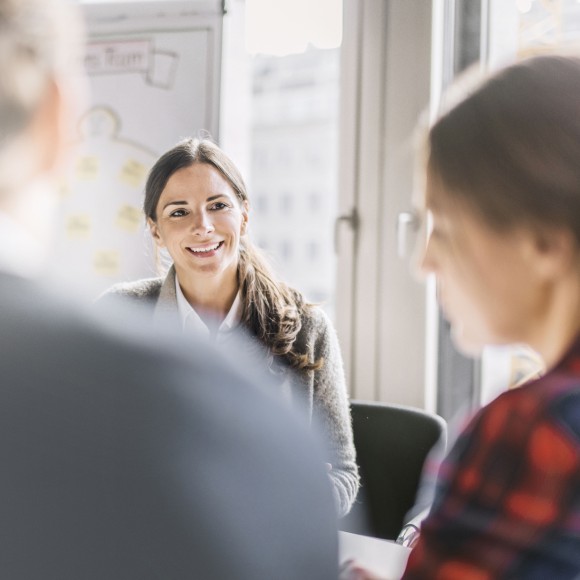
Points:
(407, 227)
(352, 219)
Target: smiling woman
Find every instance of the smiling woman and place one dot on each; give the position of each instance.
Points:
(197, 208)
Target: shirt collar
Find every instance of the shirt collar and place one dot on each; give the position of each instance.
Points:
(190, 319)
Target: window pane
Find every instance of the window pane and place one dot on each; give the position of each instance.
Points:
(289, 110)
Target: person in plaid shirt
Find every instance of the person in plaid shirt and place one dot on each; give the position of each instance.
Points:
(503, 193)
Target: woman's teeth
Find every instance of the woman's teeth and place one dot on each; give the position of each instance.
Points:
(206, 249)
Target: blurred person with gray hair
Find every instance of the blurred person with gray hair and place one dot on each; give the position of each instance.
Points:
(123, 458)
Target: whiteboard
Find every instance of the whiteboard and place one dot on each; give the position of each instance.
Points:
(154, 73)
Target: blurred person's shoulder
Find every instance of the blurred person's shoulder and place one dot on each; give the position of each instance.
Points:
(49, 310)
(45, 331)
(48, 323)
(109, 387)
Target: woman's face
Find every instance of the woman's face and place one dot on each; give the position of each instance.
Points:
(200, 221)
(487, 283)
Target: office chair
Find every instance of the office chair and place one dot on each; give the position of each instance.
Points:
(392, 443)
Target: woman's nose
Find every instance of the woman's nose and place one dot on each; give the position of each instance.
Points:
(425, 263)
(202, 224)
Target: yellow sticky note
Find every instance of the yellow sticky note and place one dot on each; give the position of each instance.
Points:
(106, 262)
(129, 218)
(78, 227)
(63, 190)
(133, 173)
(88, 168)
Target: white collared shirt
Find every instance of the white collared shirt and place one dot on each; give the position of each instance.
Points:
(192, 322)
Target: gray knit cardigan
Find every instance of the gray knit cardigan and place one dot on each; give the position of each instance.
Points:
(323, 390)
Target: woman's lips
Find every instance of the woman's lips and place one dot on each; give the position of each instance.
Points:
(206, 251)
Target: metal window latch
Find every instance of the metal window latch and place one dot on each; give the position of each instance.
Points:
(407, 226)
(352, 219)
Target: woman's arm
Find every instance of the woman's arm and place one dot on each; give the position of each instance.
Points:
(331, 409)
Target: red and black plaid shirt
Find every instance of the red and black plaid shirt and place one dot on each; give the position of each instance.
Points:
(508, 497)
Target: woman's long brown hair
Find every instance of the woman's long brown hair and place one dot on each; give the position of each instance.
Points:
(272, 311)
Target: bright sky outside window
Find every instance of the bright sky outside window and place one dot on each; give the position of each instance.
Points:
(281, 27)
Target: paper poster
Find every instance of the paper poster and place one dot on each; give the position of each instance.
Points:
(102, 227)
(154, 80)
(133, 173)
(130, 218)
(87, 168)
(106, 263)
(78, 226)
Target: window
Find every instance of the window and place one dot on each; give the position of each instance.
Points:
(286, 251)
(313, 251)
(260, 204)
(314, 201)
(286, 204)
(284, 92)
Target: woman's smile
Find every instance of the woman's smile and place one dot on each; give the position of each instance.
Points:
(206, 251)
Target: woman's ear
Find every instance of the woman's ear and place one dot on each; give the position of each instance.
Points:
(154, 229)
(245, 216)
(555, 251)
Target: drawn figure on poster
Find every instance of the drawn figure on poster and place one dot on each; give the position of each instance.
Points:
(102, 235)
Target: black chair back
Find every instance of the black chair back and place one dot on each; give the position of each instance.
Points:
(392, 443)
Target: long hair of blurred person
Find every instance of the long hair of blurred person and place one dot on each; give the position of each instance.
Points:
(503, 193)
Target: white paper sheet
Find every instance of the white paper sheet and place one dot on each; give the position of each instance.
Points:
(381, 557)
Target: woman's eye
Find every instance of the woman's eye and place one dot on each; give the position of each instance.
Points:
(178, 213)
(219, 205)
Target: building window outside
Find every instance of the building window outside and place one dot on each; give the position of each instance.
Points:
(286, 205)
(545, 25)
(313, 252)
(295, 114)
(282, 87)
(286, 251)
(261, 203)
(314, 202)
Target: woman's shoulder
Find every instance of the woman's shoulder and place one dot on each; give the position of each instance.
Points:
(314, 318)
(317, 330)
(546, 399)
(145, 289)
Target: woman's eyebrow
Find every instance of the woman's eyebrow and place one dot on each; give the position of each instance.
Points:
(174, 203)
(183, 202)
(217, 196)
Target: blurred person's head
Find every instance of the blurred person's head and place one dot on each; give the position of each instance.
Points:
(197, 208)
(503, 190)
(40, 90)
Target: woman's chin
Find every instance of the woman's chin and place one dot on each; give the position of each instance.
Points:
(467, 345)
